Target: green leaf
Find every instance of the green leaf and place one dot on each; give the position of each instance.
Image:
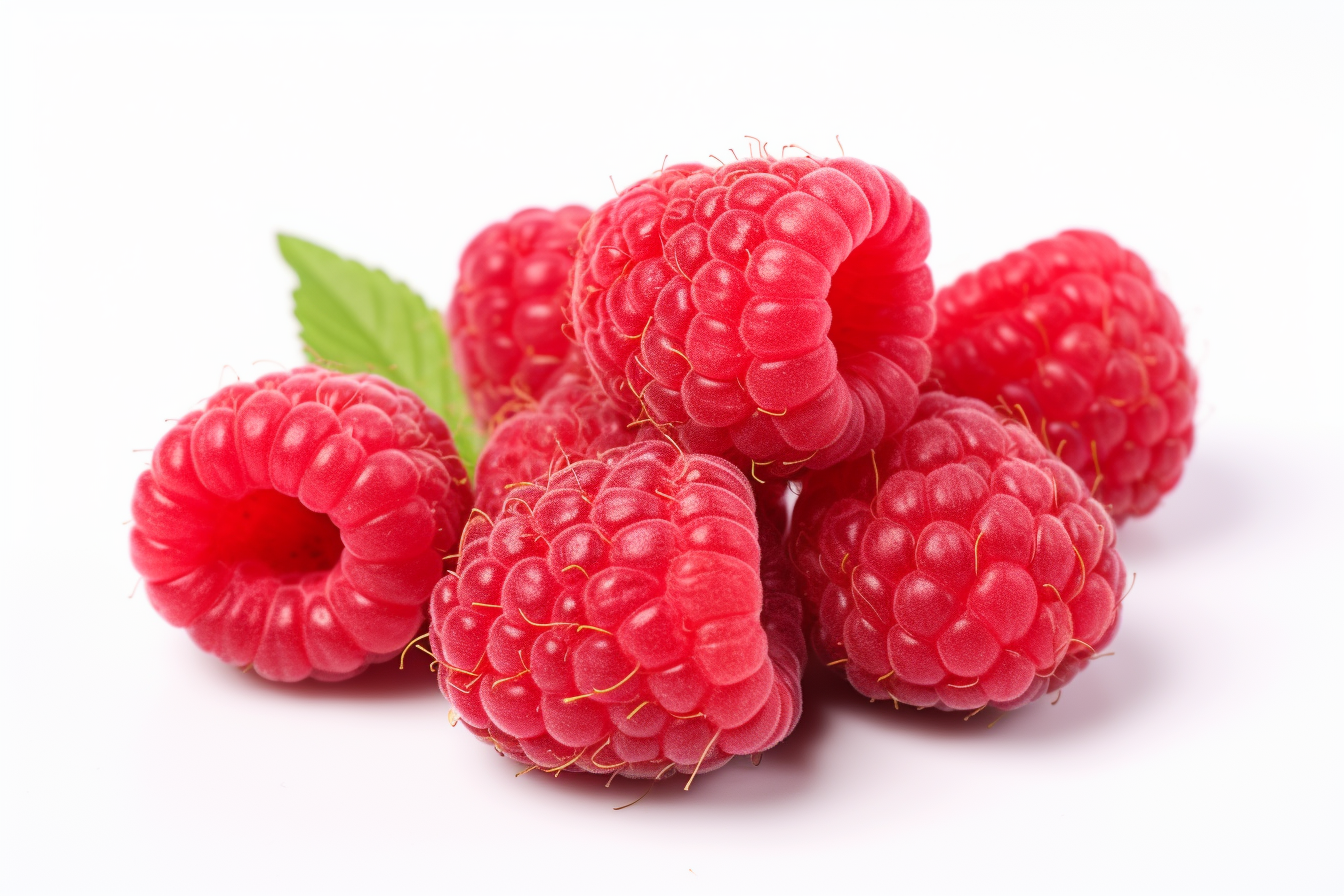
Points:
(354, 319)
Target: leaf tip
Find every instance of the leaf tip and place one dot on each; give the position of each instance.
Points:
(287, 243)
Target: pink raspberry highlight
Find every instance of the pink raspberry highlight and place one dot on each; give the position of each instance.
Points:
(1072, 336)
(298, 524)
(770, 311)
(612, 619)
(507, 315)
(979, 574)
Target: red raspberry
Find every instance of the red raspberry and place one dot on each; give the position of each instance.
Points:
(1071, 335)
(507, 311)
(574, 420)
(980, 573)
(612, 619)
(772, 312)
(298, 523)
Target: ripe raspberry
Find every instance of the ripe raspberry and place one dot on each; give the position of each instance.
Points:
(573, 420)
(1072, 335)
(507, 311)
(772, 312)
(980, 574)
(612, 619)
(298, 523)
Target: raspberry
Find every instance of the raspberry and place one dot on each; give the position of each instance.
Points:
(769, 311)
(981, 573)
(572, 421)
(507, 311)
(612, 619)
(298, 523)
(1072, 335)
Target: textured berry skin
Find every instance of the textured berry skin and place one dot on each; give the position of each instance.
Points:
(612, 619)
(298, 523)
(980, 574)
(507, 311)
(772, 312)
(573, 420)
(1072, 335)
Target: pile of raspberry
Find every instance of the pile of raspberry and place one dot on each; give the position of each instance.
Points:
(730, 425)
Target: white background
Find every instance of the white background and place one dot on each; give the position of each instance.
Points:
(149, 157)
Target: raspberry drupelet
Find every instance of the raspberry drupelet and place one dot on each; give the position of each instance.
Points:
(611, 618)
(1072, 335)
(299, 523)
(770, 311)
(979, 573)
(573, 420)
(506, 318)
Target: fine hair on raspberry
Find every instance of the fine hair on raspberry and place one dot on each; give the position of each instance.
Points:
(769, 311)
(297, 524)
(506, 318)
(959, 566)
(612, 618)
(1073, 336)
(573, 420)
